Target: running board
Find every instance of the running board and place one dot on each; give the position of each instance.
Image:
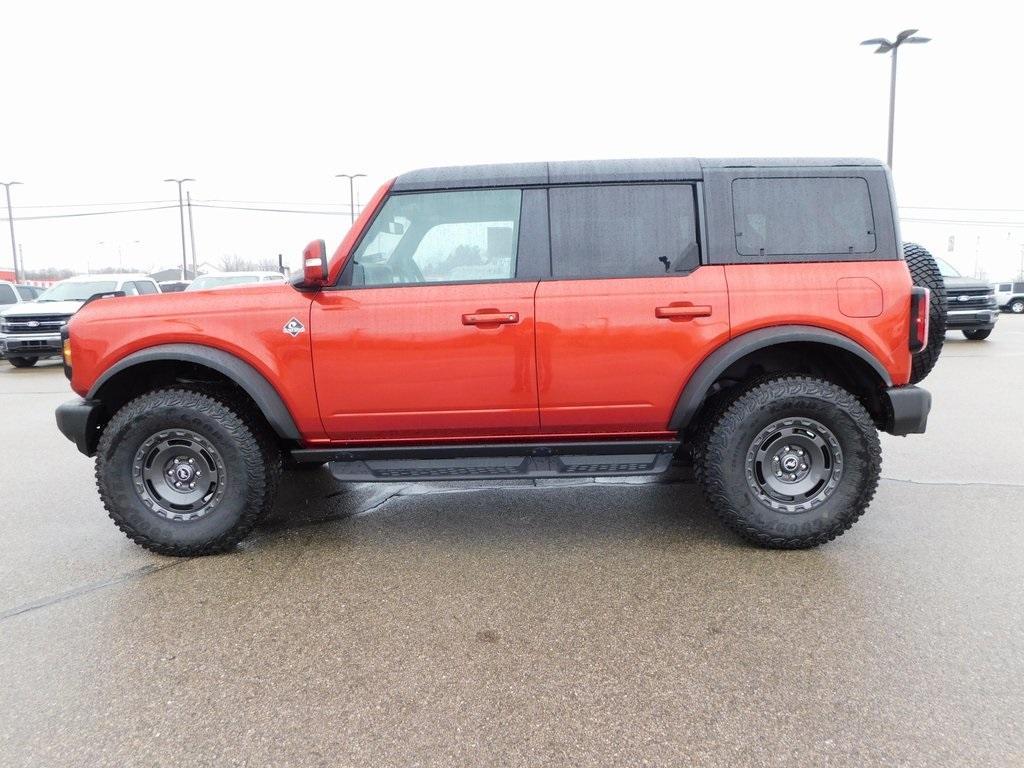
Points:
(493, 461)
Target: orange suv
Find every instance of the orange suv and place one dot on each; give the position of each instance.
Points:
(540, 320)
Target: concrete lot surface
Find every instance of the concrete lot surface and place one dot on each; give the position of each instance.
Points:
(601, 623)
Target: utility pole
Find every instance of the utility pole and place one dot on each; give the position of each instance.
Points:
(10, 221)
(351, 191)
(884, 46)
(192, 235)
(181, 215)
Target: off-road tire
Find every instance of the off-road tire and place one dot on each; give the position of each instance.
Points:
(1017, 307)
(722, 461)
(977, 334)
(251, 467)
(925, 273)
(23, 362)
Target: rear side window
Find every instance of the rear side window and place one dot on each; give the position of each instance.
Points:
(7, 295)
(635, 230)
(144, 286)
(802, 216)
(441, 237)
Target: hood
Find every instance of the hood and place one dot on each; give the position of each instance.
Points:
(964, 282)
(42, 308)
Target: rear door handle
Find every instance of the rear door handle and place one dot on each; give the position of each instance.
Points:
(490, 318)
(682, 313)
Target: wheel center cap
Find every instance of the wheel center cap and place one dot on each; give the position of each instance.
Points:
(789, 463)
(183, 472)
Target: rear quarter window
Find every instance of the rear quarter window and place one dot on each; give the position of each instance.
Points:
(779, 217)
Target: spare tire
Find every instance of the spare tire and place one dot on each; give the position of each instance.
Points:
(925, 273)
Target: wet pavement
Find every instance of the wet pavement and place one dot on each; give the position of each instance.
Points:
(595, 623)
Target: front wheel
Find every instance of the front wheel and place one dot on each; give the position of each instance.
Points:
(183, 473)
(22, 362)
(790, 463)
(1017, 306)
(978, 334)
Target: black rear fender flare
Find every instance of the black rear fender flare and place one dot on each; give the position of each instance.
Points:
(715, 364)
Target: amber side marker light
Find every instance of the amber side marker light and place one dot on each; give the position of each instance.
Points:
(65, 344)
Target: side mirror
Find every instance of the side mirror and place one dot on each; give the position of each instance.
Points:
(314, 265)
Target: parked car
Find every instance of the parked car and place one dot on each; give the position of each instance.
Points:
(14, 293)
(971, 303)
(30, 331)
(230, 279)
(545, 320)
(1010, 296)
(173, 286)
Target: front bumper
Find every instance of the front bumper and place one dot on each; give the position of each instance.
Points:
(29, 345)
(958, 319)
(909, 407)
(78, 421)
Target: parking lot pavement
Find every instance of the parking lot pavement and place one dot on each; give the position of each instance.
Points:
(601, 623)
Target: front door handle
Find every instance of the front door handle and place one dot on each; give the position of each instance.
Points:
(490, 318)
(682, 313)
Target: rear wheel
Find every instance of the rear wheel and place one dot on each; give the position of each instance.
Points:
(184, 473)
(925, 273)
(978, 334)
(790, 463)
(23, 362)
(1017, 306)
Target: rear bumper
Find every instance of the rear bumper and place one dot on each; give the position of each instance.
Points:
(78, 421)
(909, 407)
(959, 319)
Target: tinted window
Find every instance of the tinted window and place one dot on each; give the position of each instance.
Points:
(1005, 287)
(793, 217)
(7, 295)
(622, 231)
(129, 288)
(144, 286)
(441, 237)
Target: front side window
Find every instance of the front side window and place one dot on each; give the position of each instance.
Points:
(802, 217)
(441, 237)
(7, 295)
(635, 230)
(145, 287)
(1005, 287)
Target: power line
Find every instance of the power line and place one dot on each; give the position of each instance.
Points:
(89, 213)
(268, 210)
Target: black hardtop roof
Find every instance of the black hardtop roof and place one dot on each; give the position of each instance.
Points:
(598, 171)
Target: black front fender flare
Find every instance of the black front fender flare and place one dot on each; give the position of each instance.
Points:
(718, 362)
(244, 375)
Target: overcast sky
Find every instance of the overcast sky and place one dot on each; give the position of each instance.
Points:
(267, 101)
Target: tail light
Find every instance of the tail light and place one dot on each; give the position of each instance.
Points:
(920, 298)
(65, 349)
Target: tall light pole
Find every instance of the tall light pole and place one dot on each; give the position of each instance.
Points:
(884, 46)
(192, 237)
(181, 215)
(351, 190)
(10, 220)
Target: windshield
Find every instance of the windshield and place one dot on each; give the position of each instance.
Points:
(219, 281)
(78, 291)
(946, 269)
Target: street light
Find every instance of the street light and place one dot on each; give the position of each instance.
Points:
(10, 220)
(351, 190)
(181, 215)
(884, 46)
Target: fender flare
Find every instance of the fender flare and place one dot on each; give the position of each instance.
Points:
(715, 364)
(244, 375)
